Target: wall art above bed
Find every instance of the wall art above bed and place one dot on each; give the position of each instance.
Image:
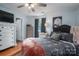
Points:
(57, 20)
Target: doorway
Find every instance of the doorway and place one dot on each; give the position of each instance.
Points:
(36, 27)
(19, 29)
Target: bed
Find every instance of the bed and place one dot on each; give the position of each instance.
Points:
(60, 43)
(47, 47)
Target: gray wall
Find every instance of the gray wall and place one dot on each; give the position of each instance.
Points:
(68, 17)
(77, 17)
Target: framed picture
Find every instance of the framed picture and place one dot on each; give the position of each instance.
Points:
(57, 21)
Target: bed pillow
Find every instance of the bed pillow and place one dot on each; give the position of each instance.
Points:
(56, 36)
(67, 37)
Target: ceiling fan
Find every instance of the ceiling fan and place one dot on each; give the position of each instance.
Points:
(31, 6)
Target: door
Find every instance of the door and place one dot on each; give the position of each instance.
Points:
(18, 29)
(36, 28)
(43, 29)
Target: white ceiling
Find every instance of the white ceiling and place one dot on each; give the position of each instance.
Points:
(40, 10)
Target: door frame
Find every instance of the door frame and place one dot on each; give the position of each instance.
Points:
(21, 26)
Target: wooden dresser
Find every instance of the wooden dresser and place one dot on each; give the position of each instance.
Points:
(13, 51)
(29, 31)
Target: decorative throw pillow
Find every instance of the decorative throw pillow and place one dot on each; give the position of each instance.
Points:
(55, 36)
(67, 37)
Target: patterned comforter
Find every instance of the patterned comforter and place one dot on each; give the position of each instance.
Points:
(47, 47)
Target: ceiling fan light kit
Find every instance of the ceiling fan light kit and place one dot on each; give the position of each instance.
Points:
(29, 7)
(32, 5)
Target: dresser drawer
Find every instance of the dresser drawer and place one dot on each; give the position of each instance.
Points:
(2, 46)
(0, 39)
(4, 41)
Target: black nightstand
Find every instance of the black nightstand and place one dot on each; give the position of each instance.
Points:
(77, 50)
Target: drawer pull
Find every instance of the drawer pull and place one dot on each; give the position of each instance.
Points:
(0, 35)
(0, 45)
(2, 27)
(0, 40)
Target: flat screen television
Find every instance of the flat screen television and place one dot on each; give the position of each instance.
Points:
(6, 17)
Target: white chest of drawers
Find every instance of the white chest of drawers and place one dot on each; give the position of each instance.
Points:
(7, 35)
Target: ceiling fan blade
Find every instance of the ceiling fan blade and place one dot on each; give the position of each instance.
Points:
(42, 4)
(20, 6)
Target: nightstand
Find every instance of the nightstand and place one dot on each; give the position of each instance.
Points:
(77, 50)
